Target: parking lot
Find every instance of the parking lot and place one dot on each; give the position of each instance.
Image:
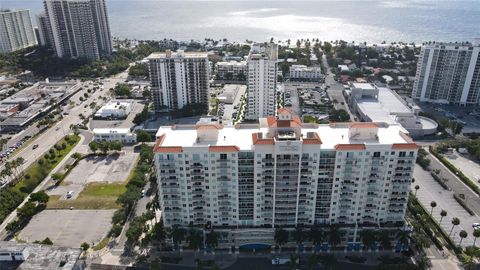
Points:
(430, 191)
(68, 228)
(470, 168)
(468, 116)
(111, 169)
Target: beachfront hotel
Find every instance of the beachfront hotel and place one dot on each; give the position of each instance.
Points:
(178, 78)
(448, 73)
(284, 173)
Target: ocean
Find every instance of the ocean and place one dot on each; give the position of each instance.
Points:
(370, 21)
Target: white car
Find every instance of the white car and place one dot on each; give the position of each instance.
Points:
(69, 194)
(476, 225)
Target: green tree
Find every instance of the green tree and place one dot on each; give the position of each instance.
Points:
(212, 239)
(368, 238)
(334, 237)
(455, 222)
(178, 235)
(476, 234)
(339, 115)
(194, 238)
(143, 136)
(123, 90)
(463, 234)
(93, 146)
(298, 235)
(433, 204)
(40, 197)
(417, 187)
(280, 237)
(316, 235)
(443, 214)
(85, 246)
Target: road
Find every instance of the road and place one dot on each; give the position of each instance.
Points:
(50, 137)
(335, 89)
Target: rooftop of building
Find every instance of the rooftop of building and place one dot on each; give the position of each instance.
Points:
(267, 51)
(232, 63)
(304, 67)
(42, 256)
(272, 129)
(111, 130)
(116, 104)
(384, 107)
(178, 54)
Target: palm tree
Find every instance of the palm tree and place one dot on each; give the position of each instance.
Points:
(403, 237)
(463, 234)
(433, 204)
(212, 239)
(334, 237)
(384, 238)
(476, 234)
(299, 236)
(316, 235)
(280, 237)
(368, 238)
(417, 187)
(178, 235)
(194, 239)
(455, 222)
(443, 214)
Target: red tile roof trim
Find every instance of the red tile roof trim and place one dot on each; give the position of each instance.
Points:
(259, 141)
(223, 149)
(412, 146)
(350, 147)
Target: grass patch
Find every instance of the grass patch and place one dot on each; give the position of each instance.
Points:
(12, 196)
(102, 244)
(94, 196)
(37, 171)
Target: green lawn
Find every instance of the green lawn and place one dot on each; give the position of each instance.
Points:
(36, 172)
(94, 196)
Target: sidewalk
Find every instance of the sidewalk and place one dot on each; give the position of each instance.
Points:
(40, 187)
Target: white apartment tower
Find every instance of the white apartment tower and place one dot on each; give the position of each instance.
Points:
(178, 79)
(44, 32)
(78, 28)
(16, 30)
(283, 173)
(448, 73)
(262, 80)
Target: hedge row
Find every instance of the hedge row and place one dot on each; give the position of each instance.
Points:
(456, 171)
(439, 181)
(463, 204)
(415, 207)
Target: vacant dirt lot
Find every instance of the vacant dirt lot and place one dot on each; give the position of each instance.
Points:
(69, 227)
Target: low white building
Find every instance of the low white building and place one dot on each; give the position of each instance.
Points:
(381, 104)
(237, 70)
(114, 134)
(115, 109)
(302, 72)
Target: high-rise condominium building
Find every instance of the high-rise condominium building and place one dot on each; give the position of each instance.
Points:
(78, 28)
(448, 73)
(262, 81)
(44, 32)
(16, 30)
(178, 79)
(283, 173)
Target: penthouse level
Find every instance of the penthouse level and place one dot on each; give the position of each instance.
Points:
(282, 172)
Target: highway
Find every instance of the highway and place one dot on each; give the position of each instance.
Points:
(50, 137)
